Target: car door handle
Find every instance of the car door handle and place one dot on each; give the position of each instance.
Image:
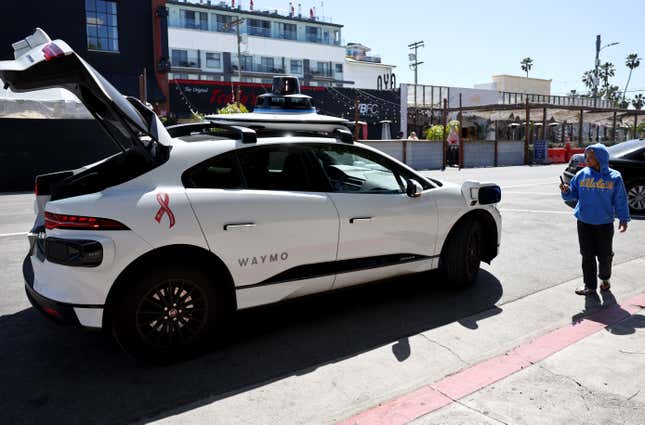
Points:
(360, 219)
(233, 226)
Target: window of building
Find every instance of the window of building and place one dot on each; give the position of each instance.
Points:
(313, 34)
(266, 64)
(339, 68)
(247, 63)
(222, 23)
(288, 31)
(259, 27)
(101, 25)
(184, 58)
(194, 20)
(296, 66)
(213, 60)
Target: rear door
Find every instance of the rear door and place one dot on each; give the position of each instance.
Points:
(262, 215)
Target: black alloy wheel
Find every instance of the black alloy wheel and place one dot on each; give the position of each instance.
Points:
(172, 313)
(636, 197)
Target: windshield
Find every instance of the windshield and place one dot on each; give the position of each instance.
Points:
(625, 147)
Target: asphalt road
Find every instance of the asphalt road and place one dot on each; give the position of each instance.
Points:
(52, 374)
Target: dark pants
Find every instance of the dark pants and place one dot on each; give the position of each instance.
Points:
(596, 242)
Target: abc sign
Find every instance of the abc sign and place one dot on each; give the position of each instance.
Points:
(386, 82)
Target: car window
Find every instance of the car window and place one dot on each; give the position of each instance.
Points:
(221, 172)
(355, 171)
(276, 167)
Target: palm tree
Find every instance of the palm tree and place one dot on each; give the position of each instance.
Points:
(527, 64)
(631, 61)
(588, 80)
(607, 70)
(638, 101)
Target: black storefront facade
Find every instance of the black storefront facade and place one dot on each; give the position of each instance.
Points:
(116, 38)
(207, 97)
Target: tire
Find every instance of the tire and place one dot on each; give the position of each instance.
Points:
(461, 254)
(167, 314)
(636, 197)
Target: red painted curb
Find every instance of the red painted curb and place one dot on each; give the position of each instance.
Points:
(467, 381)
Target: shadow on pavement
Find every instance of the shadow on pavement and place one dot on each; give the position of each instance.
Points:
(605, 309)
(61, 375)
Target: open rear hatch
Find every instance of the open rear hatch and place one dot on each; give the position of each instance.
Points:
(41, 63)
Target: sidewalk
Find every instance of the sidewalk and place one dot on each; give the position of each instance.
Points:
(587, 372)
(347, 390)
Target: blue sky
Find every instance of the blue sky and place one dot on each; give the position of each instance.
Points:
(468, 41)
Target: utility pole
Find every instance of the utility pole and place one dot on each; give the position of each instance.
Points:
(597, 65)
(236, 23)
(414, 64)
(595, 73)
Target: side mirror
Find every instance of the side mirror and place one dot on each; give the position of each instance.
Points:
(414, 189)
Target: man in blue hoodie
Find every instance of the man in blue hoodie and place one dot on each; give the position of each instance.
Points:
(601, 197)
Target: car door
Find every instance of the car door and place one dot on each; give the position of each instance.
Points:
(383, 231)
(261, 215)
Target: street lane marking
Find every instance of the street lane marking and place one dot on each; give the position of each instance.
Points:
(531, 184)
(432, 397)
(532, 193)
(534, 211)
(3, 235)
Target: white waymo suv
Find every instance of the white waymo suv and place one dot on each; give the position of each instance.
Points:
(162, 242)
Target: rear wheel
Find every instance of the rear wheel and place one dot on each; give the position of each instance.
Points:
(461, 254)
(636, 197)
(167, 314)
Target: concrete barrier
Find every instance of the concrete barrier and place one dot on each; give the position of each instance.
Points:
(479, 154)
(510, 153)
(424, 155)
(394, 148)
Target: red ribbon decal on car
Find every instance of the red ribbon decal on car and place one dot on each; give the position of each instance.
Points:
(164, 201)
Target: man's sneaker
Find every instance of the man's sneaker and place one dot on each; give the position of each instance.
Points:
(583, 290)
(605, 286)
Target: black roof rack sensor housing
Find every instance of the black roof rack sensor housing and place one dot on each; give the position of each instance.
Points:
(344, 135)
(246, 135)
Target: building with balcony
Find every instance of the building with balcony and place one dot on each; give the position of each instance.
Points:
(203, 45)
(367, 71)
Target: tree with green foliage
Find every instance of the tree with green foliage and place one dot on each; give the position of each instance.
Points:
(233, 108)
(632, 61)
(527, 64)
(638, 101)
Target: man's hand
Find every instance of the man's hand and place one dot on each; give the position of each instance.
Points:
(564, 188)
(622, 226)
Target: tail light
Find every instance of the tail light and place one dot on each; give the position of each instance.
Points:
(52, 51)
(76, 222)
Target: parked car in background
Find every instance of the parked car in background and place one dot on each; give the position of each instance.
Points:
(627, 157)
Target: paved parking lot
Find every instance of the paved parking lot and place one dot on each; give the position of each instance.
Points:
(286, 363)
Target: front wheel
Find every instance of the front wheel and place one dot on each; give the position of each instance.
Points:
(166, 314)
(461, 255)
(636, 197)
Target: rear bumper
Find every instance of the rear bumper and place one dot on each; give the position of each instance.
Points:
(59, 312)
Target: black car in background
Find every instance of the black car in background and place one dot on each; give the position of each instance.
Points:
(628, 158)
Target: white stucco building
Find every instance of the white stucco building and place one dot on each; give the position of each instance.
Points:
(367, 72)
(203, 46)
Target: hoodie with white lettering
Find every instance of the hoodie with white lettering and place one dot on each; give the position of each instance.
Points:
(600, 194)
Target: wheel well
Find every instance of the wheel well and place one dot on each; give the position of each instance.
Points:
(174, 254)
(489, 229)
